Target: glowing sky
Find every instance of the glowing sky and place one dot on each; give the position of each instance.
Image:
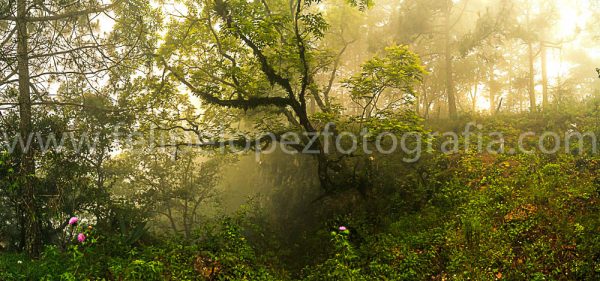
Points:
(570, 28)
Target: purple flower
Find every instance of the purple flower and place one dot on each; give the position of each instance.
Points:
(73, 220)
(81, 237)
(342, 228)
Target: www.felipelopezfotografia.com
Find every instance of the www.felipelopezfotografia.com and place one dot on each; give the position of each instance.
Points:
(410, 144)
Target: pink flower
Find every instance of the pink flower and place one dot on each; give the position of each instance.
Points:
(342, 228)
(73, 220)
(81, 237)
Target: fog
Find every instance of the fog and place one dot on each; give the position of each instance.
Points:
(299, 140)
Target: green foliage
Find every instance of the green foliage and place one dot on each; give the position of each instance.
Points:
(141, 270)
(492, 216)
(223, 254)
(398, 68)
(343, 264)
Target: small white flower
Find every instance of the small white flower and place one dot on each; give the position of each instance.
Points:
(19, 262)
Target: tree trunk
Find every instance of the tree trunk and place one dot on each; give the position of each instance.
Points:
(474, 97)
(510, 104)
(544, 77)
(32, 220)
(452, 113)
(417, 107)
(450, 88)
(423, 100)
(492, 89)
(171, 219)
(531, 79)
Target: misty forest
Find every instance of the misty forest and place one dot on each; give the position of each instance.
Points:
(299, 140)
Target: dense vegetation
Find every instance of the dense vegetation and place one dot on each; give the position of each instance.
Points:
(458, 216)
(255, 140)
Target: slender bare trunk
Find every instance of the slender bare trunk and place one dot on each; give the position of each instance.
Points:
(171, 219)
(417, 107)
(544, 77)
(452, 112)
(510, 87)
(531, 87)
(426, 103)
(474, 97)
(492, 89)
(32, 220)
